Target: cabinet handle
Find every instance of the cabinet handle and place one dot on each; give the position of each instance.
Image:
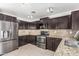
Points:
(8, 33)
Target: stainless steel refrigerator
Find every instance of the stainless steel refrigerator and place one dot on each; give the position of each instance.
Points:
(8, 36)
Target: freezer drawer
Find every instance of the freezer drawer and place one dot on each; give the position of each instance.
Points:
(5, 47)
(15, 44)
(8, 46)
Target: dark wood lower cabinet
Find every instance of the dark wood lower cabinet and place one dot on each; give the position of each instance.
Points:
(27, 39)
(22, 40)
(52, 43)
(49, 43)
(31, 39)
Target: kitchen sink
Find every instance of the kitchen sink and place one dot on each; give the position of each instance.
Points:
(72, 43)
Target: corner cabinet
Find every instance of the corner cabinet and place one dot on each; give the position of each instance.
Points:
(75, 20)
(53, 43)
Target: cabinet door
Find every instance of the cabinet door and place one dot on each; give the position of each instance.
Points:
(7, 46)
(52, 43)
(32, 25)
(49, 44)
(31, 39)
(75, 20)
(8, 18)
(59, 23)
(1, 17)
(22, 40)
(55, 43)
(62, 22)
(51, 25)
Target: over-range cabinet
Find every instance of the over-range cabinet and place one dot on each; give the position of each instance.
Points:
(8, 33)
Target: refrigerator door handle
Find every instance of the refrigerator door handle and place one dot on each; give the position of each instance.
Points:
(8, 33)
(1, 34)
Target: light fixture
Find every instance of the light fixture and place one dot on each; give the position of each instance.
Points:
(50, 9)
(30, 17)
(33, 12)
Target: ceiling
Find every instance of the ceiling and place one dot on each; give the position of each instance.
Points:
(23, 10)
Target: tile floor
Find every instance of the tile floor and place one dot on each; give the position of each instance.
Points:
(30, 50)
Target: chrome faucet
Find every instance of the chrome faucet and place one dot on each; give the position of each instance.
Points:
(76, 36)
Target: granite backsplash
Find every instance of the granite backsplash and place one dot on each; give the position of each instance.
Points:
(59, 33)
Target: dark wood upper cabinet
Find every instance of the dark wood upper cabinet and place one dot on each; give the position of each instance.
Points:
(75, 20)
(52, 23)
(70, 22)
(8, 18)
(63, 22)
(32, 25)
(60, 22)
(1, 16)
(44, 23)
(27, 25)
(22, 24)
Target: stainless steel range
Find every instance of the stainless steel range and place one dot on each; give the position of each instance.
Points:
(41, 39)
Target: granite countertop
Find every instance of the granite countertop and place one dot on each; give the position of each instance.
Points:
(64, 50)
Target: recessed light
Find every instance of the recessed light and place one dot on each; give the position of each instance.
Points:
(50, 9)
(28, 16)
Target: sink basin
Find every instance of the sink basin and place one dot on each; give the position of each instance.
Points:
(71, 43)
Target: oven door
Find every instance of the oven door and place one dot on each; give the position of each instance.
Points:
(41, 39)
